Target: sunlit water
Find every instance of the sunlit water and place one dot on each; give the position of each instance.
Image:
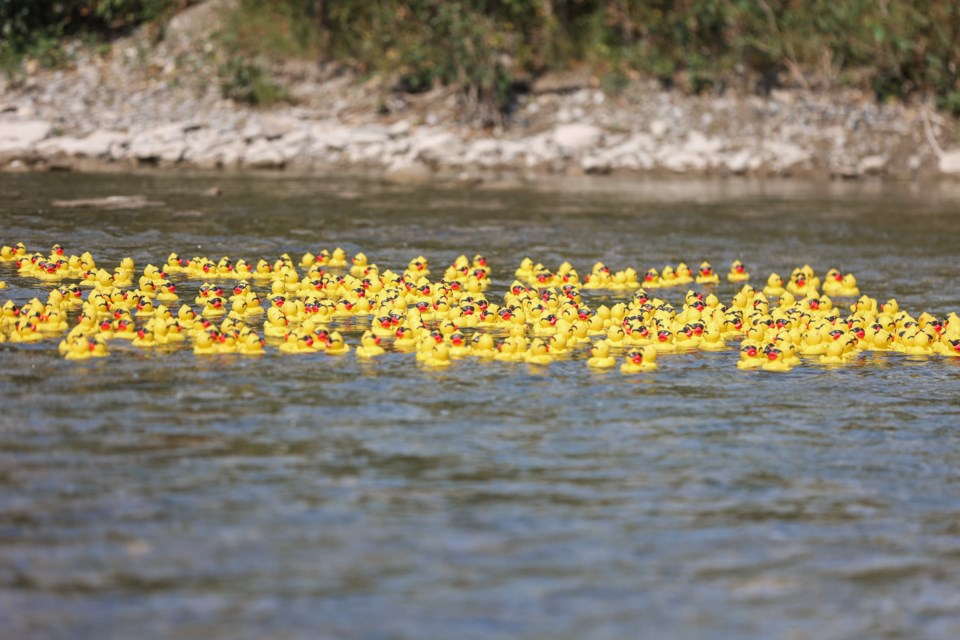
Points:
(177, 496)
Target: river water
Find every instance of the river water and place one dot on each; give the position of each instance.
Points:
(176, 496)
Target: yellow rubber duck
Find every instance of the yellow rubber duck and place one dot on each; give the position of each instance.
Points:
(738, 272)
(338, 259)
(298, 342)
(774, 288)
(750, 357)
(524, 272)
(947, 347)
(834, 353)
(11, 254)
(664, 341)
(917, 343)
(812, 343)
(483, 346)
(687, 338)
(683, 274)
(832, 282)
(369, 346)
(459, 347)
(145, 339)
(801, 283)
(250, 343)
(775, 361)
(638, 334)
(406, 339)
(360, 265)
(84, 348)
(438, 356)
(204, 343)
(668, 278)
(651, 279)
(511, 350)
(336, 346)
(880, 339)
(600, 357)
(712, 339)
(890, 307)
(707, 275)
(848, 287)
(214, 307)
(538, 352)
(639, 361)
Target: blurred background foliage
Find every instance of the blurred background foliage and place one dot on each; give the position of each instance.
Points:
(490, 49)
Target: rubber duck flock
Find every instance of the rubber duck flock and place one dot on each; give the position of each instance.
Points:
(301, 308)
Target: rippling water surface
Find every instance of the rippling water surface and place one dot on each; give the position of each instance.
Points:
(175, 496)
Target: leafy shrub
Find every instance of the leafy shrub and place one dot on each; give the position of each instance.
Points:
(248, 82)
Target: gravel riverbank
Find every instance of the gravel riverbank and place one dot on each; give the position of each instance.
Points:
(160, 104)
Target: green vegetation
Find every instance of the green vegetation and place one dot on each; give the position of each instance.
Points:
(248, 82)
(35, 28)
(491, 48)
(488, 48)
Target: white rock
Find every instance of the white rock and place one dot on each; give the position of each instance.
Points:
(278, 125)
(699, 143)
(572, 138)
(658, 128)
(231, 154)
(738, 163)
(210, 149)
(263, 154)
(359, 153)
(398, 147)
(166, 142)
(510, 150)
(949, 162)
(435, 146)
(95, 145)
(408, 172)
(596, 164)
(329, 136)
(252, 130)
(22, 135)
(637, 143)
(641, 160)
(539, 147)
(482, 148)
(679, 159)
(784, 155)
(872, 165)
(370, 134)
(399, 128)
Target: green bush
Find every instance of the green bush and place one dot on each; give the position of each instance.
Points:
(489, 48)
(35, 27)
(248, 82)
(899, 47)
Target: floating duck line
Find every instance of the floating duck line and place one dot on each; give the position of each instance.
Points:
(306, 307)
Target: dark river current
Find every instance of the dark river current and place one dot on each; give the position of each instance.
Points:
(148, 495)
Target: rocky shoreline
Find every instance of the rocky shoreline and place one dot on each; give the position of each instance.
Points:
(160, 106)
